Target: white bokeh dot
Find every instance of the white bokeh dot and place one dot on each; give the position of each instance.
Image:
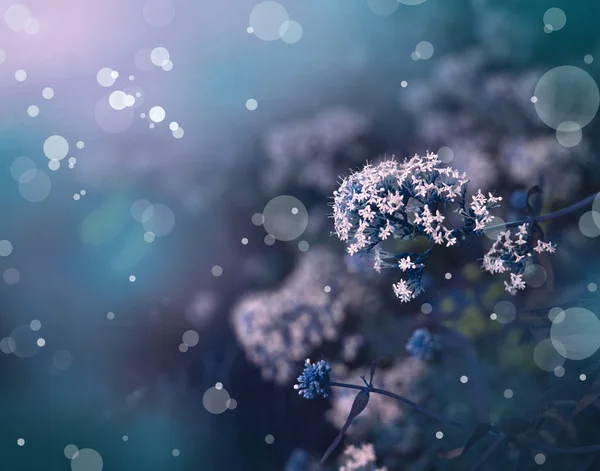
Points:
(251, 104)
(6, 248)
(56, 147)
(157, 114)
(33, 111)
(48, 93)
(20, 75)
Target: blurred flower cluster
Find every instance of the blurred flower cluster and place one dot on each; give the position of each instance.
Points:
(279, 328)
(484, 119)
(360, 459)
(305, 152)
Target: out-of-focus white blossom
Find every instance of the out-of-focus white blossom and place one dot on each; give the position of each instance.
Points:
(361, 458)
(303, 151)
(277, 329)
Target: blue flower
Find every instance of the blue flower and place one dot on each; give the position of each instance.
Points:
(314, 380)
(422, 344)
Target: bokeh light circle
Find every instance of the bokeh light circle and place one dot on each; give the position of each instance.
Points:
(267, 20)
(535, 275)
(138, 210)
(279, 220)
(20, 169)
(291, 32)
(25, 341)
(568, 134)
(35, 186)
(157, 114)
(6, 248)
(445, 154)
(556, 315)
(554, 19)
(425, 50)
(33, 111)
(589, 224)
(87, 459)
(190, 338)
(546, 356)
(70, 451)
(493, 228)
(566, 93)
(118, 100)
(578, 334)
(231, 404)
(7, 345)
(505, 311)
(105, 78)
(17, 16)
(56, 147)
(539, 458)
(11, 276)
(215, 400)
(159, 55)
(158, 219)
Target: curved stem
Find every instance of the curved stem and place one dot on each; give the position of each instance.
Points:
(404, 400)
(548, 217)
(488, 453)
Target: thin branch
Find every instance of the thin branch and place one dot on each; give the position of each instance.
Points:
(404, 400)
(488, 453)
(548, 217)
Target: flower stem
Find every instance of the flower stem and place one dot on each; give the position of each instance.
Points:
(549, 217)
(412, 404)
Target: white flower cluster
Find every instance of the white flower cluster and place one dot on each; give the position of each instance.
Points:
(481, 208)
(361, 458)
(401, 200)
(512, 254)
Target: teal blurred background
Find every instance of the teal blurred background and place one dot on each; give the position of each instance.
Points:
(135, 238)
